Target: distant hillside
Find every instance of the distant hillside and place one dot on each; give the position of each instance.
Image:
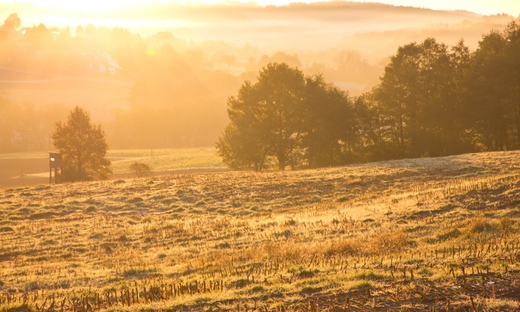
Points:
(185, 60)
(296, 26)
(376, 45)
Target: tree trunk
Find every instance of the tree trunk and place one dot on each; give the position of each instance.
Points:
(281, 161)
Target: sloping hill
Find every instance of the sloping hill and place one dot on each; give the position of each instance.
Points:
(439, 233)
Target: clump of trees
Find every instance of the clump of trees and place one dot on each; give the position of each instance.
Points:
(494, 89)
(83, 148)
(421, 101)
(179, 88)
(432, 100)
(287, 117)
(436, 100)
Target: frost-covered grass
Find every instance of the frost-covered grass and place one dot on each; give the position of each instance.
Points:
(425, 234)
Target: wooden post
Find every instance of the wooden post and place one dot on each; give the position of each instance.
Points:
(55, 162)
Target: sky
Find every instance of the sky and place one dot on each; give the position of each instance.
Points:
(486, 7)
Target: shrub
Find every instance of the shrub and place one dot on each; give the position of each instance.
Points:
(257, 289)
(140, 169)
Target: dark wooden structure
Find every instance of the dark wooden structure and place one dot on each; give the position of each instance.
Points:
(55, 165)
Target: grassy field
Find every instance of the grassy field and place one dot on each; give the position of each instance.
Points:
(167, 159)
(17, 169)
(437, 234)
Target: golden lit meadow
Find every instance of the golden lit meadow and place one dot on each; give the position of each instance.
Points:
(425, 234)
(161, 160)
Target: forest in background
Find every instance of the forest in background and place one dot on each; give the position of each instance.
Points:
(433, 100)
(164, 91)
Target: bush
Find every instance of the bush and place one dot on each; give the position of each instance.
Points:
(140, 169)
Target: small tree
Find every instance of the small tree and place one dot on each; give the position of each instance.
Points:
(140, 169)
(83, 148)
(12, 23)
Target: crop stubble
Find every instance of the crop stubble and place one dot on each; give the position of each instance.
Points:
(427, 234)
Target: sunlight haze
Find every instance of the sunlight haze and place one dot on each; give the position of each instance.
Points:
(173, 64)
(486, 7)
(259, 155)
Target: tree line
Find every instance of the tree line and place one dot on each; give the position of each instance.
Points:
(177, 89)
(432, 100)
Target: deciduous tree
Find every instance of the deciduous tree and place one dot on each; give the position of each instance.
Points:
(290, 118)
(242, 144)
(329, 132)
(279, 110)
(420, 96)
(83, 148)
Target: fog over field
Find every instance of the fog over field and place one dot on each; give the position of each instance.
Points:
(323, 156)
(314, 26)
(159, 76)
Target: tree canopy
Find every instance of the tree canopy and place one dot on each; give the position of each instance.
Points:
(494, 89)
(287, 117)
(432, 100)
(419, 96)
(83, 148)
